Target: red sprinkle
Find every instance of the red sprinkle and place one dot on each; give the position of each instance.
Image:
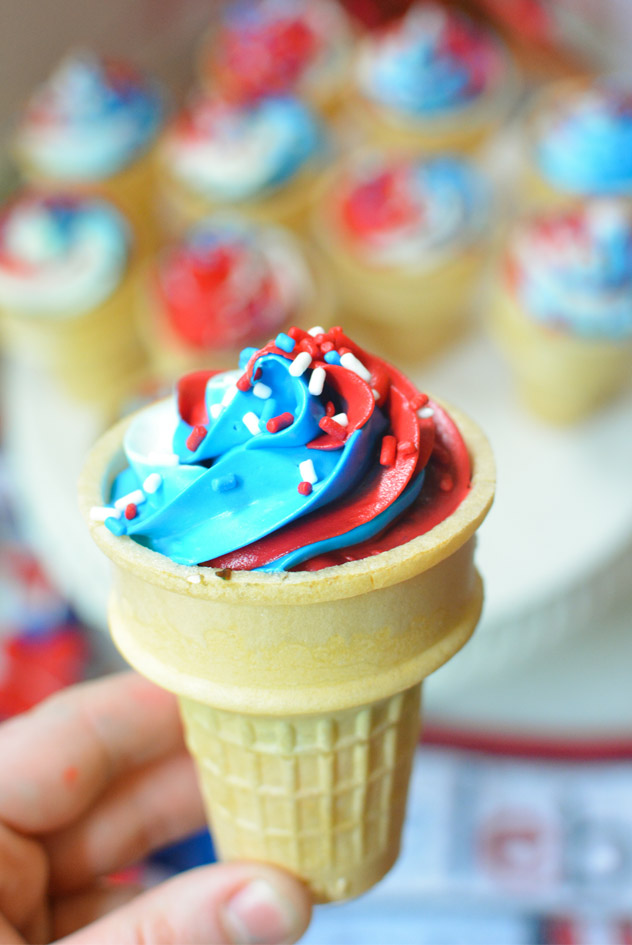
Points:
(243, 384)
(446, 483)
(131, 510)
(419, 401)
(305, 488)
(195, 437)
(280, 422)
(326, 346)
(344, 350)
(258, 374)
(330, 408)
(333, 428)
(405, 448)
(388, 451)
(296, 333)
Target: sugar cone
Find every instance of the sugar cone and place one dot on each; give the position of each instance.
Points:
(92, 356)
(560, 377)
(299, 691)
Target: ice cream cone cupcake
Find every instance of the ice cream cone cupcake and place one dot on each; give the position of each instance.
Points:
(227, 284)
(263, 159)
(338, 575)
(280, 47)
(92, 127)
(563, 310)
(432, 80)
(405, 239)
(579, 142)
(66, 293)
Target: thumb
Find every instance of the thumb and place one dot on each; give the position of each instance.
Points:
(226, 904)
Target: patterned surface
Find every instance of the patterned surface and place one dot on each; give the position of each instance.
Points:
(322, 795)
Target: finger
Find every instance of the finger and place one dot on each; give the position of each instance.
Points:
(70, 913)
(59, 757)
(8, 935)
(148, 809)
(229, 903)
(20, 858)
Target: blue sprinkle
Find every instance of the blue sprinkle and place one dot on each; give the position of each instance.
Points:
(245, 356)
(116, 525)
(332, 357)
(225, 483)
(284, 342)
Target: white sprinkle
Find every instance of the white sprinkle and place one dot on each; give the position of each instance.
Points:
(317, 381)
(375, 393)
(194, 579)
(261, 390)
(229, 395)
(152, 483)
(352, 363)
(425, 412)
(215, 410)
(163, 459)
(100, 513)
(342, 419)
(137, 497)
(316, 330)
(308, 473)
(251, 420)
(300, 363)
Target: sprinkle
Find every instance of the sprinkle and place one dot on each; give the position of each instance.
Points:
(316, 330)
(329, 425)
(229, 395)
(342, 419)
(425, 412)
(406, 448)
(388, 451)
(284, 342)
(296, 333)
(101, 513)
(376, 393)
(137, 497)
(349, 361)
(446, 483)
(419, 401)
(243, 384)
(305, 488)
(329, 408)
(308, 344)
(196, 437)
(332, 357)
(215, 410)
(194, 579)
(245, 356)
(225, 483)
(131, 511)
(308, 473)
(280, 422)
(326, 346)
(115, 525)
(300, 363)
(317, 381)
(251, 420)
(163, 459)
(152, 483)
(261, 390)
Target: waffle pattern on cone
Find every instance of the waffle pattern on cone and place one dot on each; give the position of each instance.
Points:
(323, 795)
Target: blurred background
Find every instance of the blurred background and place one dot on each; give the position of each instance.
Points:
(507, 290)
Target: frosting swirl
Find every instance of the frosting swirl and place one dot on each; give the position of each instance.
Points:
(229, 152)
(409, 212)
(272, 47)
(315, 452)
(431, 61)
(91, 119)
(583, 140)
(60, 255)
(572, 270)
(229, 282)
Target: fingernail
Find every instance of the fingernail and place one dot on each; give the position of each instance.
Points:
(258, 914)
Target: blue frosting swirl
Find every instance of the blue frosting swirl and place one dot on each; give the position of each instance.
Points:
(582, 281)
(584, 144)
(91, 119)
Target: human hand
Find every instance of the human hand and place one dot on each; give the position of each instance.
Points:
(91, 781)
